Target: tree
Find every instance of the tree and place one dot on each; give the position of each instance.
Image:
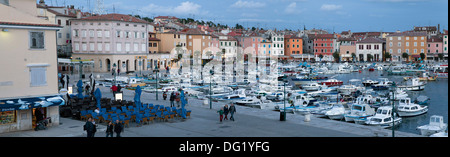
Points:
(405, 56)
(441, 56)
(238, 26)
(353, 56)
(387, 55)
(369, 57)
(422, 56)
(336, 56)
(320, 56)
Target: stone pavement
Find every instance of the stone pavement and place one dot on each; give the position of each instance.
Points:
(204, 122)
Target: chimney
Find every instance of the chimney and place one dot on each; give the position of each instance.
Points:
(439, 29)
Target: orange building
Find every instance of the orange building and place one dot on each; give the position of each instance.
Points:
(293, 45)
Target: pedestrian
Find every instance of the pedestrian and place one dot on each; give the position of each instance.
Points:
(164, 95)
(97, 110)
(109, 129)
(114, 90)
(62, 81)
(225, 112)
(232, 110)
(87, 87)
(220, 113)
(118, 71)
(186, 97)
(178, 99)
(118, 128)
(119, 88)
(172, 98)
(89, 128)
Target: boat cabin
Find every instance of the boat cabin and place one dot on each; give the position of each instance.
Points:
(436, 120)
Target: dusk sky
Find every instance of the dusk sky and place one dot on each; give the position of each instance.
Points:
(337, 15)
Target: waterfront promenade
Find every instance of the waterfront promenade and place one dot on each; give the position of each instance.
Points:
(204, 122)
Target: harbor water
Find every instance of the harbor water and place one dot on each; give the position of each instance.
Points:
(437, 91)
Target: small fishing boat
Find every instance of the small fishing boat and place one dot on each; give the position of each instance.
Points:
(436, 125)
(383, 117)
(332, 82)
(408, 109)
(336, 113)
(359, 111)
(369, 82)
(413, 85)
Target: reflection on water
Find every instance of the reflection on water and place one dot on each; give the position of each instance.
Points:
(437, 91)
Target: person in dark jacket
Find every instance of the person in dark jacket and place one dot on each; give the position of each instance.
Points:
(109, 129)
(172, 98)
(225, 112)
(118, 128)
(232, 110)
(119, 88)
(90, 128)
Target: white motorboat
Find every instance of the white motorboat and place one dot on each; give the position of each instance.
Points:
(248, 101)
(436, 125)
(336, 113)
(383, 117)
(413, 85)
(399, 94)
(237, 95)
(351, 87)
(300, 99)
(369, 82)
(359, 111)
(440, 134)
(407, 109)
(312, 86)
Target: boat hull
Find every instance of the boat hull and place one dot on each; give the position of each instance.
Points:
(412, 113)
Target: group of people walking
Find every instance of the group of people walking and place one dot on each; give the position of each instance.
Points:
(225, 110)
(91, 128)
(175, 97)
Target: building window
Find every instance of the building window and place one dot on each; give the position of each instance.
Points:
(99, 47)
(119, 47)
(107, 47)
(77, 47)
(37, 40)
(75, 32)
(107, 34)
(99, 33)
(38, 76)
(91, 33)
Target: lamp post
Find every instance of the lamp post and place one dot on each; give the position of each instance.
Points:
(114, 71)
(156, 87)
(210, 85)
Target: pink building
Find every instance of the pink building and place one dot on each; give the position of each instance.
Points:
(434, 47)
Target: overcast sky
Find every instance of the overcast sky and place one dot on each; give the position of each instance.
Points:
(337, 15)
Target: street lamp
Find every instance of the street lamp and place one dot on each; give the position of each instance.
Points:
(210, 85)
(393, 86)
(156, 87)
(114, 72)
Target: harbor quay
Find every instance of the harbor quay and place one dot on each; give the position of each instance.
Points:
(204, 122)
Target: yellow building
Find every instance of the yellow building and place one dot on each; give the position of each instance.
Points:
(29, 77)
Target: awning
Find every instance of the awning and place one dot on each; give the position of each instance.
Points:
(31, 102)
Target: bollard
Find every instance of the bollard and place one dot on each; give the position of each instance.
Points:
(307, 117)
(205, 102)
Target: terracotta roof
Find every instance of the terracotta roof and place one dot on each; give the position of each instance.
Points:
(325, 36)
(166, 17)
(347, 39)
(409, 34)
(28, 24)
(371, 40)
(153, 39)
(114, 17)
(434, 39)
(192, 31)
